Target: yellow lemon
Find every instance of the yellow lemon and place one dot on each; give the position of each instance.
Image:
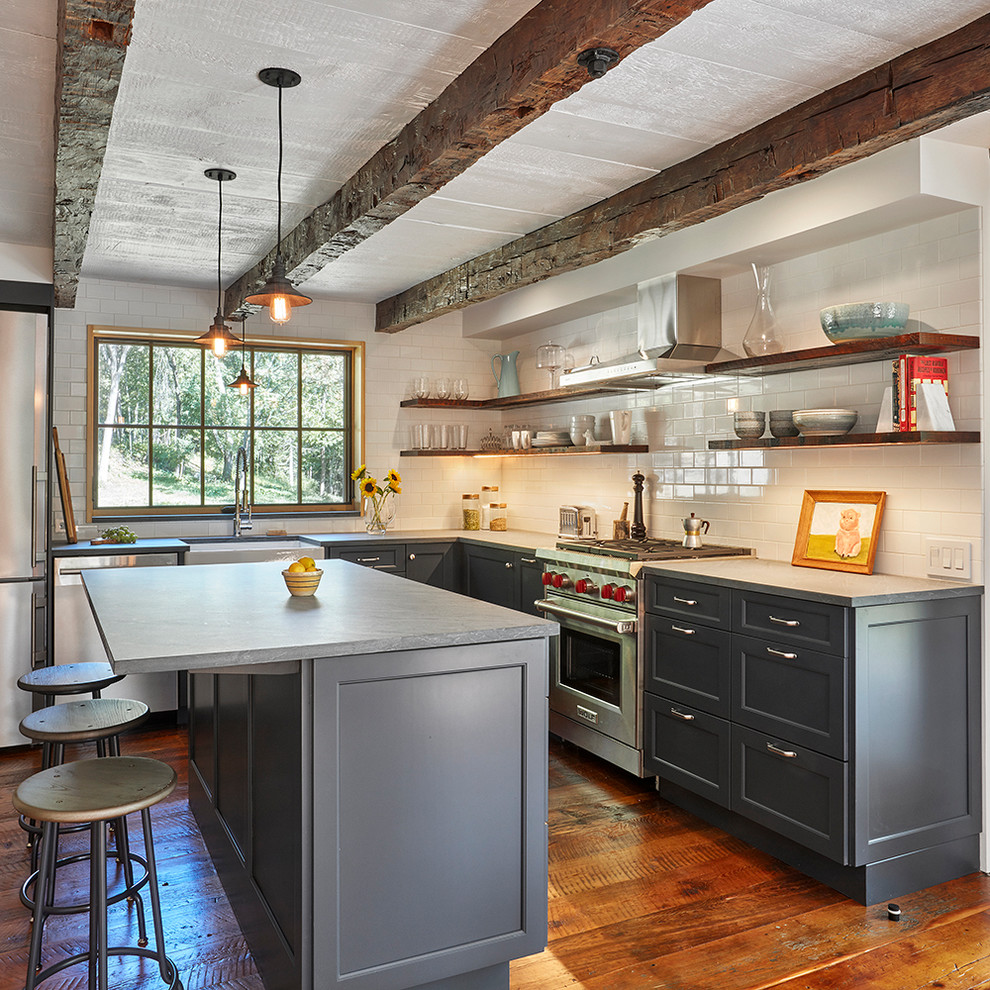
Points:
(308, 563)
(296, 567)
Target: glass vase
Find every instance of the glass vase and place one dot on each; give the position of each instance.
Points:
(763, 335)
(380, 514)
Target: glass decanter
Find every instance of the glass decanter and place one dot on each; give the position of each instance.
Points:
(763, 335)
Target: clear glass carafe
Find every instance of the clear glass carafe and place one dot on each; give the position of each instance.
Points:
(763, 335)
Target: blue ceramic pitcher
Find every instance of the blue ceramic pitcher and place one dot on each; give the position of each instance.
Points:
(506, 377)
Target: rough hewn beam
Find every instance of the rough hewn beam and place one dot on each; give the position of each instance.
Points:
(916, 93)
(531, 67)
(93, 39)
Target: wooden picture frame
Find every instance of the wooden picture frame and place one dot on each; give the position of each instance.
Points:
(63, 491)
(838, 530)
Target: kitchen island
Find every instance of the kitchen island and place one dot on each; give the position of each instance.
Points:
(367, 766)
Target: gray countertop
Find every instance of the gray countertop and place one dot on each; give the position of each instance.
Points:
(523, 540)
(775, 577)
(86, 548)
(230, 615)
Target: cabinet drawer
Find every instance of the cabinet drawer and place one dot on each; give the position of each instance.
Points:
(689, 662)
(708, 603)
(791, 691)
(390, 557)
(688, 747)
(792, 790)
(791, 620)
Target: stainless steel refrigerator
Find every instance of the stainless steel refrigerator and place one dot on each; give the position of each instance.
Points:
(23, 510)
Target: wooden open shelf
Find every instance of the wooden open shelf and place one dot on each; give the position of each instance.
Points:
(849, 352)
(529, 399)
(850, 440)
(598, 448)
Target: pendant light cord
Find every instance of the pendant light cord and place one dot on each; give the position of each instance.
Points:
(278, 242)
(219, 247)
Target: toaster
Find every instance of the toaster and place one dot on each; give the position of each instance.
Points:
(577, 522)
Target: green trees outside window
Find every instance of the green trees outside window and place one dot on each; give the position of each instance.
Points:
(166, 428)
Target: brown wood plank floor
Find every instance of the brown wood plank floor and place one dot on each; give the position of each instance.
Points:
(642, 896)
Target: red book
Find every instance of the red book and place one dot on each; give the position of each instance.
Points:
(921, 368)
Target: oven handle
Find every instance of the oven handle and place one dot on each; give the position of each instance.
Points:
(621, 626)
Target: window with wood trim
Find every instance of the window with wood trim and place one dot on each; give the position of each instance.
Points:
(165, 428)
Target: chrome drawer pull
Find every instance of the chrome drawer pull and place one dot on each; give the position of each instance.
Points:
(789, 753)
(681, 715)
(527, 560)
(684, 601)
(681, 629)
(368, 560)
(784, 622)
(781, 653)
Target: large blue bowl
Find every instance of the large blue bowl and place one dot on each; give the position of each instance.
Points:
(862, 320)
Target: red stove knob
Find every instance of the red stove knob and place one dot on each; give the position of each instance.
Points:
(608, 590)
(585, 587)
(561, 581)
(624, 594)
(547, 577)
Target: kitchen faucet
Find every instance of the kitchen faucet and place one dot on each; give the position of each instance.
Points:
(241, 503)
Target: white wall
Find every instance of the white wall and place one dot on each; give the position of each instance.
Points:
(431, 487)
(753, 497)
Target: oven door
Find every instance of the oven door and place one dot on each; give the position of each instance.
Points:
(593, 673)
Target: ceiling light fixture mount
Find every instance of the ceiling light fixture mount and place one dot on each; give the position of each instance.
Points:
(219, 337)
(598, 61)
(278, 293)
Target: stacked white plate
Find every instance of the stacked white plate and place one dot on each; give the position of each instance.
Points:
(552, 438)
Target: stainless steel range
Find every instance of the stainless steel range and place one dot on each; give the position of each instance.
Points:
(594, 590)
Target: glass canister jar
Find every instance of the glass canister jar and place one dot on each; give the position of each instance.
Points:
(471, 510)
(499, 517)
(488, 494)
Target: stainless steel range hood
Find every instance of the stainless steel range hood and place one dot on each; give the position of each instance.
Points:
(680, 331)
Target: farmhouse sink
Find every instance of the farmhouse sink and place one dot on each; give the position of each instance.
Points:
(238, 550)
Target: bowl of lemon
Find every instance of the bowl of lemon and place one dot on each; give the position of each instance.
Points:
(302, 577)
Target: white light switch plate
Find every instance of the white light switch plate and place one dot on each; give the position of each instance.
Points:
(952, 559)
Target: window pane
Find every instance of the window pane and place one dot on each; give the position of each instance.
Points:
(220, 452)
(276, 466)
(225, 406)
(324, 478)
(176, 460)
(123, 383)
(323, 378)
(122, 467)
(176, 380)
(277, 395)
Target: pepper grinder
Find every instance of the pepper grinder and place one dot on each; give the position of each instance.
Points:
(638, 529)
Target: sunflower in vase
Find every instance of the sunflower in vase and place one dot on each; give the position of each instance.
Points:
(382, 507)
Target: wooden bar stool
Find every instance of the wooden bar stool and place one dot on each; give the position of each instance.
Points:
(68, 678)
(96, 720)
(96, 792)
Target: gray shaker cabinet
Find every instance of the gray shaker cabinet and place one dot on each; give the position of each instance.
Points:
(843, 739)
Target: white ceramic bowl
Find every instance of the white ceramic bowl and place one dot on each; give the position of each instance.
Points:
(825, 422)
(862, 320)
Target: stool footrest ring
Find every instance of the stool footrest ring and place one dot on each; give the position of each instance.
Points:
(170, 970)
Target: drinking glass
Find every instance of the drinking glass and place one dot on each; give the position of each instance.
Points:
(421, 387)
(460, 388)
(416, 436)
(459, 436)
(442, 388)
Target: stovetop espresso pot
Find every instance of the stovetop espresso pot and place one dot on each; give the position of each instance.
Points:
(693, 528)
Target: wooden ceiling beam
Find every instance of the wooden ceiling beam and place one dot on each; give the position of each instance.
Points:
(918, 92)
(92, 41)
(527, 70)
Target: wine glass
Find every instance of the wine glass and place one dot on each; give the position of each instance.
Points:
(443, 388)
(551, 357)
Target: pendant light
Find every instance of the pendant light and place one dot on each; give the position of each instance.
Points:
(219, 336)
(278, 293)
(243, 382)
